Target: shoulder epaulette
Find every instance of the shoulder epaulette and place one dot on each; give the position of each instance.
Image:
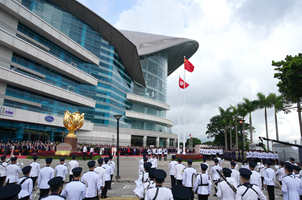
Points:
(104, 167)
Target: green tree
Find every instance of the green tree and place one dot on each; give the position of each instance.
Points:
(250, 106)
(195, 141)
(242, 113)
(224, 121)
(289, 73)
(264, 102)
(278, 102)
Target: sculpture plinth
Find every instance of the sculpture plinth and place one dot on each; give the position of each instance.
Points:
(72, 122)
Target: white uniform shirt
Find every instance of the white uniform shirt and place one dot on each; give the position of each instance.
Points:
(261, 167)
(187, 176)
(178, 171)
(53, 197)
(71, 165)
(250, 194)
(236, 176)
(35, 169)
(203, 184)
(3, 169)
(26, 187)
(214, 173)
(102, 174)
(269, 176)
(93, 181)
(13, 172)
(45, 175)
(224, 191)
(281, 173)
(163, 193)
(74, 190)
(140, 163)
(84, 149)
(256, 179)
(112, 164)
(108, 172)
(61, 170)
(172, 167)
(165, 151)
(154, 151)
(154, 163)
(290, 188)
(91, 150)
(159, 151)
(276, 156)
(143, 177)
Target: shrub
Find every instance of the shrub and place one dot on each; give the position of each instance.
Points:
(195, 157)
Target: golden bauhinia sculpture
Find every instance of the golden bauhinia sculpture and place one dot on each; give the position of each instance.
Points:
(73, 122)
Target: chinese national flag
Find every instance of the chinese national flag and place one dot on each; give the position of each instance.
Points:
(188, 66)
(182, 84)
(190, 135)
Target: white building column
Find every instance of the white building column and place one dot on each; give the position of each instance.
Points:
(157, 142)
(145, 141)
(167, 142)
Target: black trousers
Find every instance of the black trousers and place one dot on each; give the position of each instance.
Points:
(93, 198)
(105, 189)
(43, 193)
(271, 192)
(2, 179)
(192, 195)
(159, 157)
(216, 183)
(203, 197)
(84, 157)
(90, 156)
(34, 181)
(25, 198)
(179, 182)
(71, 177)
(165, 157)
(110, 181)
(173, 180)
(11, 183)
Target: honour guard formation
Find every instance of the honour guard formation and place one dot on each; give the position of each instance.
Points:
(258, 179)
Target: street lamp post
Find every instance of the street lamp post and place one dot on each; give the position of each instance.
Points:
(241, 121)
(117, 117)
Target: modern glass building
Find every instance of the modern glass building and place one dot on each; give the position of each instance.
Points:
(59, 55)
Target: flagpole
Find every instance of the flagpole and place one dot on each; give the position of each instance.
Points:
(184, 142)
(178, 117)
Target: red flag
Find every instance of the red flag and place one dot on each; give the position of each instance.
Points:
(190, 135)
(188, 66)
(182, 84)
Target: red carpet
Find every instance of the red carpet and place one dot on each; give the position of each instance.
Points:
(8, 156)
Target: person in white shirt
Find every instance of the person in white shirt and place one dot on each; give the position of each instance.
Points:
(13, 170)
(225, 191)
(75, 190)
(35, 169)
(101, 172)
(165, 151)
(71, 165)
(112, 164)
(280, 171)
(148, 184)
(26, 184)
(290, 188)
(215, 175)
(91, 152)
(159, 153)
(61, 170)
(292, 161)
(107, 177)
(248, 191)
(179, 171)
(92, 180)
(205, 162)
(276, 156)
(172, 165)
(153, 161)
(159, 192)
(255, 177)
(45, 175)
(235, 173)
(269, 180)
(55, 188)
(3, 173)
(203, 183)
(187, 177)
(84, 152)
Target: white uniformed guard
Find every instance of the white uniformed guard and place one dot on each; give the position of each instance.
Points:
(179, 171)
(181, 193)
(165, 151)
(281, 171)
(215, 175)
(226, 191)
(205, 162)
(292, 161)
(290, 187)
(143, 176)
(3, 173)
(148, 184)
(172, 165)
(10, 192)
(45, 175)
(159, 192)
(13, 170)
(235, 173)
(107, 177)
(255, 178)
(75, 190)
(61, 169)
(26, 184)
(269, 180)
(159, 153)
(203, 183)
(112, 165)
(92, 181)
(55, 188)
(141, 164)
(101, 172)
(187, 177)
(35, 169)
(71, 165)
(153, 161)
(248, 191)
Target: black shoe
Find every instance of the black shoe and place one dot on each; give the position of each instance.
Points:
(110, 188)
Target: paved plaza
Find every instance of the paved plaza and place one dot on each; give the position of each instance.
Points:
(129, 173)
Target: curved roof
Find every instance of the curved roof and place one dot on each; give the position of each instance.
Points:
(147, 43)
(123, 46)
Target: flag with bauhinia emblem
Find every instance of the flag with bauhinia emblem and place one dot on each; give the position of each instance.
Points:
(182, 84)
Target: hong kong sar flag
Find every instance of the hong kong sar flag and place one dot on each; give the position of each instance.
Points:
(182, 84)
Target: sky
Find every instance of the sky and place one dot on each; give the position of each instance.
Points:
(238, 39)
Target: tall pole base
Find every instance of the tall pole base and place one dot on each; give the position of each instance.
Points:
(72, 142)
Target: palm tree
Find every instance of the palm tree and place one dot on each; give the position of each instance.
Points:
(235, 115)
(250, 106)
(264, 102)
(278, 103)
(242, 113)
(230, 119)
(224, 115)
